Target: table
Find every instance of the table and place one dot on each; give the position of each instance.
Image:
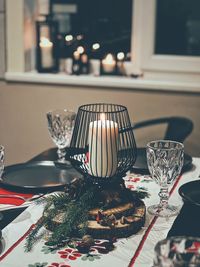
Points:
(137, 250)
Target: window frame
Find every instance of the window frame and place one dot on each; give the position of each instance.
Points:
(145, 14)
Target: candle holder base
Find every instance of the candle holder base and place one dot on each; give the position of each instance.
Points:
(103, 182)
(118, 212)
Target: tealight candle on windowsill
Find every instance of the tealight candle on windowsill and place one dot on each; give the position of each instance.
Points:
(46, 48)
(47, 60)
(108, 65)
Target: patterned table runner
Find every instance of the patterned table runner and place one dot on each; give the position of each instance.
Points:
(137, 250)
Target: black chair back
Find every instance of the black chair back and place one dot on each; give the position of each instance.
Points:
(178, 128)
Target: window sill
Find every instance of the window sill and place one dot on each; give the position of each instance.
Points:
(103, 81)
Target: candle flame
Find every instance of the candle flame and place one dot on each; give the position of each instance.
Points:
(80, 49)
(109, 59)
(45, 42)
(102, 116)
(120, 56)
(95, 46)
(76, 55)
(79, 37)
(68, 37)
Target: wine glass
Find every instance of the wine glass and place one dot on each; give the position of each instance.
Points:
(177, 251)
(61, 125)
(165, 160)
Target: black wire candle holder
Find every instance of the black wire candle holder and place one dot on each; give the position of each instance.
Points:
(103, 146)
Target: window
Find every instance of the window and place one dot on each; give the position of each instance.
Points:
(100, 26)
(163, 37)
(160, 52)
(178, 27)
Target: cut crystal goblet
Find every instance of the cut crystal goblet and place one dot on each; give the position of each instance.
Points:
(177, 251)
(165, 160)
(61, 125)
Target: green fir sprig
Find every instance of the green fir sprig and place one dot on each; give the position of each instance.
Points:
(74, 208)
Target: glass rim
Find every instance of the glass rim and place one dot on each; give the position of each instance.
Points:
(85, 107)
(57, 110)
(181, 145)
(174, 238)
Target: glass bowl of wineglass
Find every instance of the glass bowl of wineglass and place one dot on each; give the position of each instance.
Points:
(61, 125)
(177, 251)
(165, 161)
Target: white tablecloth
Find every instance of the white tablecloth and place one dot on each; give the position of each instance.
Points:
(137, 250)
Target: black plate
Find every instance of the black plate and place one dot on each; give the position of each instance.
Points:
(37, 176)
(140, 165)
(190, 192)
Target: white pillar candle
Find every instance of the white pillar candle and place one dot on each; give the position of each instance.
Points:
(103, 147)
(46, 48)
(108, 63)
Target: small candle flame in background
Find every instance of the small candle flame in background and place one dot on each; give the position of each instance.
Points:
(79, 37)
(120, 56)
(68, 38)
(76, 55)
(45, 42)
(96, 46)
(80, 49)
(109, 59)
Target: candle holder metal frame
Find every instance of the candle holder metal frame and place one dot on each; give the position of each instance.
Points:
(103, 146)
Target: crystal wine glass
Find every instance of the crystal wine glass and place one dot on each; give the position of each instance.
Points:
(165, 160)
(177, 251)
(60, 125)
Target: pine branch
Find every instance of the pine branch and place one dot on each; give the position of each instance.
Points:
(74, 209)
(56, 198)
(75, 217)
(44, 220)
(31, 239)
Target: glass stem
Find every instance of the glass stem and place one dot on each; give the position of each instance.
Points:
(61, 154)
(164, 197)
